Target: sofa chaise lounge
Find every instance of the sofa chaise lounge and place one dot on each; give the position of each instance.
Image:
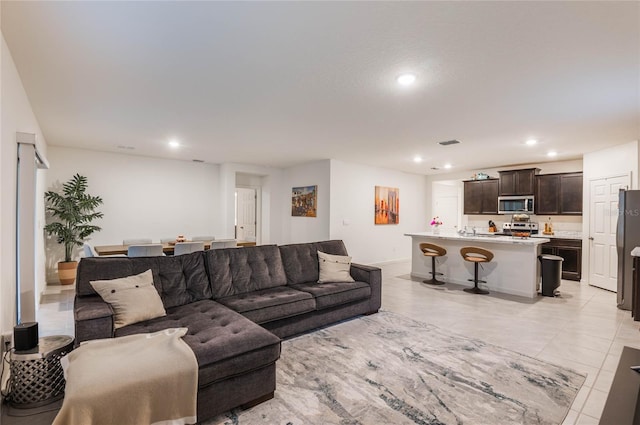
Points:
(237, 304)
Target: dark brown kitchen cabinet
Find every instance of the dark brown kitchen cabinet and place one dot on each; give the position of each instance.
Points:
(571, 252)
(481, 196)
(517, 182)
(559, 194)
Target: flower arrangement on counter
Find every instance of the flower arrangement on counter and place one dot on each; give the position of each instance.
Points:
(435, 222)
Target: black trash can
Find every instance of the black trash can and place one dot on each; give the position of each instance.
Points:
(551, 273)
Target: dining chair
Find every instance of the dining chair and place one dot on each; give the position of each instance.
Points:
(182, 248)
(138, 241)
(220, 244)
(148, 250)
(203, 238)
(89, 250)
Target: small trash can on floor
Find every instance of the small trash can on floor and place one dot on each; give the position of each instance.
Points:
(551, 273)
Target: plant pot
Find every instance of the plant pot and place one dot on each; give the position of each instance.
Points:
(67, 272)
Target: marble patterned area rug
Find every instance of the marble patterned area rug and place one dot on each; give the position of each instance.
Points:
(389, 369)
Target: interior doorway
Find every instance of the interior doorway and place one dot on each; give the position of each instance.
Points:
(246, 218)
(446, 203)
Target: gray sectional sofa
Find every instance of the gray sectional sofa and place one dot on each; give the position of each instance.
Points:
(237, 304)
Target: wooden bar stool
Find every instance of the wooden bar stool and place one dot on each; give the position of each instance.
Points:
(476, 255)
(433, 251)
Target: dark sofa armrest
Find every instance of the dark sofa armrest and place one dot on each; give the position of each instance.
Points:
(373, 276)
(93, 318)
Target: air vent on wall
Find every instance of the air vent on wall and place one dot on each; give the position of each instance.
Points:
(128, 148)
(449, 142)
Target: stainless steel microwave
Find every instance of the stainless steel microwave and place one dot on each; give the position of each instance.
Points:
(515, 204)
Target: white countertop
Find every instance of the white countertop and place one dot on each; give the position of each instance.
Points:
(487, 238)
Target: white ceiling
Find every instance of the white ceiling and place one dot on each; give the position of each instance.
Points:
(278, 84)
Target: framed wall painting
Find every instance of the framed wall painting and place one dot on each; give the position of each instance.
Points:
(304, 201)
(387, 205)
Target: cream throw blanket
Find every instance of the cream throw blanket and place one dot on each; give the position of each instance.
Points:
(137, 379)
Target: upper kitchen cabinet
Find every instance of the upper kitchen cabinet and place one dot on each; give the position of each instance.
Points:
(518, 182)
(559, 194)
(481, 196)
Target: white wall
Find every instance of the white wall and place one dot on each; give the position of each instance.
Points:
(143, 197)
(17, 115)
(352, 211)
(307, 229)
(613, 161)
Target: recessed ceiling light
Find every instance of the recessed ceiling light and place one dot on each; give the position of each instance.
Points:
(406, 79)
(174, 143)
(552, 154)
(417, 159)
(531, 142)
(447, 166)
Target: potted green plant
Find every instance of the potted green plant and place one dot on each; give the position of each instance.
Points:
(74, 210)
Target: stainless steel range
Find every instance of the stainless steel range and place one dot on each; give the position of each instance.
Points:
(517, 226)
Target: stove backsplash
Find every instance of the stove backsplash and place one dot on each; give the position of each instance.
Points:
(560, 223)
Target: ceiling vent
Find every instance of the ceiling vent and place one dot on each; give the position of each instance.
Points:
(197, 160)
(449, 142)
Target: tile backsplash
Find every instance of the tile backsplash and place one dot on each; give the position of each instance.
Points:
(560, 223)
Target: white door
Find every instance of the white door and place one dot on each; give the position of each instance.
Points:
(245, 214)
(603, 213)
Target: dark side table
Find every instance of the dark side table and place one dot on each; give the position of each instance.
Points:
(37, 378)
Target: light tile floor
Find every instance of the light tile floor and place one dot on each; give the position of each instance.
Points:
(582, 329)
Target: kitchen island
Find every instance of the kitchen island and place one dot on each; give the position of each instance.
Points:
(514, 270)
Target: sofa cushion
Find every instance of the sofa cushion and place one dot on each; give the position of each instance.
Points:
(234, 271)
(225, 343)
(132, 298)
(270, 304)
(300, 261)
(335, 293)
(179, 280)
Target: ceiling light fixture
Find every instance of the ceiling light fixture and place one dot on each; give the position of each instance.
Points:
(447, 166)
(417, 159)
(552, 154)
(406, 79)
(531, 142)
(174, 144)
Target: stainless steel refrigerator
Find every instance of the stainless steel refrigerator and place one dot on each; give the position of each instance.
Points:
(627, 238)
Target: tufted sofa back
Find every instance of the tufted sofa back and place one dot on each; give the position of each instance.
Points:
(240, 270)
(179, 280)
(301, 260)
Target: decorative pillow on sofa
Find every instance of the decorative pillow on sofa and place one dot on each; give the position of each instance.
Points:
(133, 298)
(334, 268)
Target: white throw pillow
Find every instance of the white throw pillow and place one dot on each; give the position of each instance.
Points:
(133, 298)
(334, 268)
